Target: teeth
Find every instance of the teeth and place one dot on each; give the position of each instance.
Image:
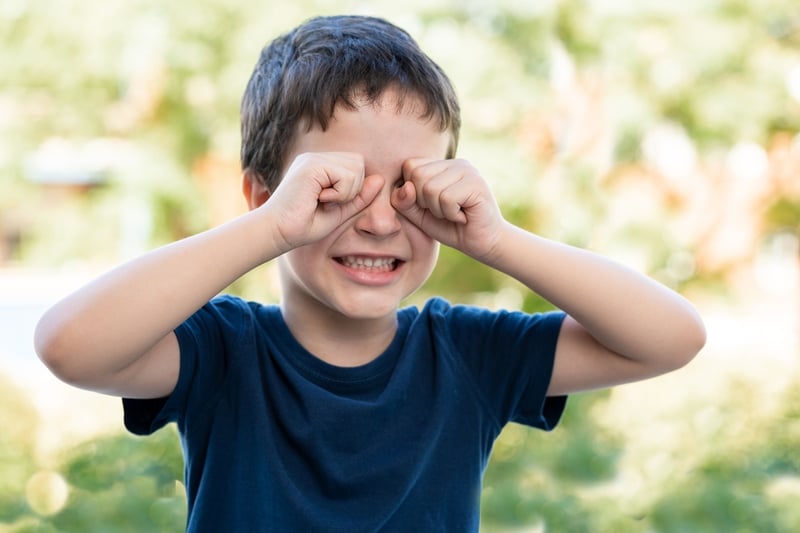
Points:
(377, 263)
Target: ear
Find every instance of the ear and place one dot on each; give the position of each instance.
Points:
(254, 189)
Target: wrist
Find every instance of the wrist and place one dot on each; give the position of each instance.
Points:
(263, 234)
(500, 245)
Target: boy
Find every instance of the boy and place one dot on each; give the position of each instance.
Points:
(336, 410)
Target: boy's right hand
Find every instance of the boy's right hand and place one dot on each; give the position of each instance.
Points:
(318, 193)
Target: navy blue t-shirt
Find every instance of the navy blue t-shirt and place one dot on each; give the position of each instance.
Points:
(275, 439)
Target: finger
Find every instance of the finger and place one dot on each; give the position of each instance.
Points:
(453, 199)
(412, 171)
(450, 207)
(345, 181)
(418, 167)
(404, 199)
(355, 162)
(415, 165)
(341, 190)
(439, 193)
(372, 186)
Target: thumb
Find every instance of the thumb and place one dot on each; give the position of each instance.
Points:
(404, 200)
(369, 190)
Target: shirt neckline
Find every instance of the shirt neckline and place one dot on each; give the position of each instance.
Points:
(338, 379)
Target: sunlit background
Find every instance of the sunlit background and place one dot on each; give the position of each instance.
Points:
(661, 133)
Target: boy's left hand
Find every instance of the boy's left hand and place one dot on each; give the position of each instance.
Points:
(450, 201)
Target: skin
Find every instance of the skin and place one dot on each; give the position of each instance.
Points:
(332, 304)
(372, 186)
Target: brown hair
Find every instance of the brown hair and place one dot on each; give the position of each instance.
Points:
(328, 61)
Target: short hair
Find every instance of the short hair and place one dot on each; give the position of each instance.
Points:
(328, 61)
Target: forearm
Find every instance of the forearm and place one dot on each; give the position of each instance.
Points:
(625, 311)
(109, 323)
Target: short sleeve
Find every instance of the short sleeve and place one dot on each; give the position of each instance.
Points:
(510, 356)
(203, 341)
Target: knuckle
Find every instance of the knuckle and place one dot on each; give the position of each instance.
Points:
(430, 191)
(408, 167)
(305, 157)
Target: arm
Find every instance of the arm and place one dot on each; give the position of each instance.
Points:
(621, 326)
(115, 335)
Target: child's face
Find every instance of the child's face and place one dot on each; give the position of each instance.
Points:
(333, 273)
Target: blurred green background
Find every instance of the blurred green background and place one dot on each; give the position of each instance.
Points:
(661, 133)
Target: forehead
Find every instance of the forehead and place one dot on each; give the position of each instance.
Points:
(387, 131)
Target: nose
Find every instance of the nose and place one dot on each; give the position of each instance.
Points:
(379, 218)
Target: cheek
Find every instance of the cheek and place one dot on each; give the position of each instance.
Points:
(426, 250)
(300, 262)
(434, 253)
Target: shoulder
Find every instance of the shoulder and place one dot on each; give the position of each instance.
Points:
(225, 318)
(507, 355)
(229, 303)
(230, 307)
(440, 310)
(470, 329)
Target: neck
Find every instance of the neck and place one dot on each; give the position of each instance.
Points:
(340, 340)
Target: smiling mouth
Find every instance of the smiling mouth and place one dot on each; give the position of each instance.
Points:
(370, 264)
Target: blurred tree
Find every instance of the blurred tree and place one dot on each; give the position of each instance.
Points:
(110, 484)
(748, 481)
(122, 483)
(17, 443)
(654, 131)
(536, 479)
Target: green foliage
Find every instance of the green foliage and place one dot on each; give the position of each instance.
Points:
(558, 98)
(125, 480)
(784, 214)
(18, 420)
(115, 484)
(98, 465)
(537, 478)
(749, 483)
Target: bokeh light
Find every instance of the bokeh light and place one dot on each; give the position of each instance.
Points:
(664, 134)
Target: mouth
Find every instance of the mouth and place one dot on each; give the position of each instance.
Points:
(369, 264)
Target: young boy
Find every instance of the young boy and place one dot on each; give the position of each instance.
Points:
(336, 410)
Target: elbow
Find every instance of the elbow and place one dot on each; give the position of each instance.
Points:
(49, 349)
(691, 338)
(52, 346)
(700, 337)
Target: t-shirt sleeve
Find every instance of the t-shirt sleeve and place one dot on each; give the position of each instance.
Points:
(510, 357)
(202, 340)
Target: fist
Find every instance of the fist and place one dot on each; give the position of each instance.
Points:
(318, 193)
(451, 202)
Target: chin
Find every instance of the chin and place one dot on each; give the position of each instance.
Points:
(368, 309)
(372, 314)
